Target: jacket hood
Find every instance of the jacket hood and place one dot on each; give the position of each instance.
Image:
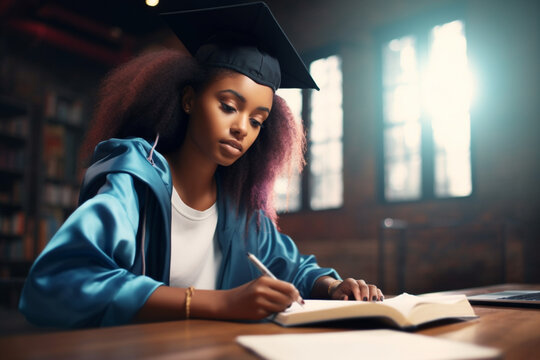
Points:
(128, 156)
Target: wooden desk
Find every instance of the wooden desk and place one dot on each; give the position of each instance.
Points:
(515, 331)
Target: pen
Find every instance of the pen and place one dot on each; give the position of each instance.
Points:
(267, 272)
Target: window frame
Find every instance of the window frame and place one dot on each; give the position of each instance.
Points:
(420, 27)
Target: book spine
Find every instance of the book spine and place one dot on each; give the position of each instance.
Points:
(60, 195)
(16, 126)
(13, 224)
(11, 159)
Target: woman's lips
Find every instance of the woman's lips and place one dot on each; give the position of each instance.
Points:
(232, 147)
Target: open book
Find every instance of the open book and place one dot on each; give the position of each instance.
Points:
(404, 310)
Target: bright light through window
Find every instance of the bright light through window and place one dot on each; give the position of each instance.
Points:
(325, 135)
(437, 95)
(402, 131)
(448, 94)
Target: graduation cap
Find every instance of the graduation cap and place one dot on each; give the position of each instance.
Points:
(245, 38)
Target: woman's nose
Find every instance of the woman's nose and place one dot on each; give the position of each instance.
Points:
(240, 126)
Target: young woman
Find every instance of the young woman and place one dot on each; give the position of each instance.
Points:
(178, 191)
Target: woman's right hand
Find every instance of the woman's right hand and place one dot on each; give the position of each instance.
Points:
(258, 298)
(254, 300)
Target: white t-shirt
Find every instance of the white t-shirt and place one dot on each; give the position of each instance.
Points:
(195, 253)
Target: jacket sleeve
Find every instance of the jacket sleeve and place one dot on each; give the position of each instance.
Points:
(280, 254)
(82, 277)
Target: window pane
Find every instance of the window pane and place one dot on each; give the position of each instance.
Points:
(326, 104)
(287, 195)
(402, 162)
(452, 158)
(401, 117)
(325, 135)
(327, 158)
(448, 95)
(401, 81)
(293, 97)
(402, 104)
(326, 175)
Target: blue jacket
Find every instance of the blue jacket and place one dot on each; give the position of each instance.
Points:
(91, 272)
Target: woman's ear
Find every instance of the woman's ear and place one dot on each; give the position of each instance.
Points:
(188, 96)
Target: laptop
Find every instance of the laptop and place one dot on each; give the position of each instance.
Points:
(520, 298)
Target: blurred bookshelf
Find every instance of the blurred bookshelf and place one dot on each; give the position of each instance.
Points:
(63, 131)
(45, 98)
(17, 248)
(39, 180)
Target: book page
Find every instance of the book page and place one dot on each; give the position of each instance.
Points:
(365, 344)
(314, 305)
(329, 310)
(404, 303)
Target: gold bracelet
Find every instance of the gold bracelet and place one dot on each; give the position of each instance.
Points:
(189, 293)
(333, 285)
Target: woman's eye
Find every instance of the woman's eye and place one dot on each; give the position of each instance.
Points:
(256, 123)
(227, 108)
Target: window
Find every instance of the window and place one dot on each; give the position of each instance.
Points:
(325, 135)
(426, 94)
(287, 189)
(322, 180)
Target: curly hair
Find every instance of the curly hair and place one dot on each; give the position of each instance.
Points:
(144, 97)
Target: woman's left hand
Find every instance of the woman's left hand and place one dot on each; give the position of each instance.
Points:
(351, 289)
